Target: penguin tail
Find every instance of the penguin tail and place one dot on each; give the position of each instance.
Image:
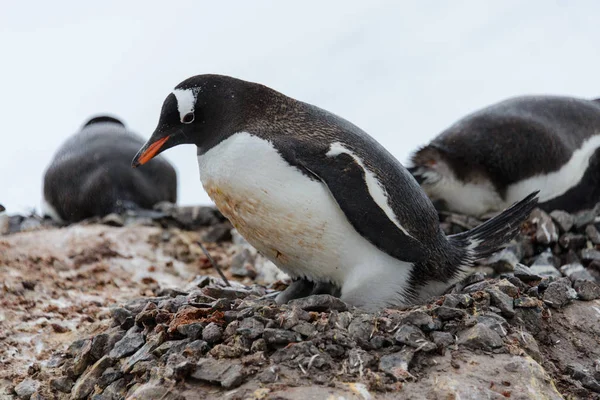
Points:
(489, 237)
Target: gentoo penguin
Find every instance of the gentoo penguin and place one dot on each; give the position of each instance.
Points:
(318, 196)
(90, 174)
(4, 222)
(497, 155)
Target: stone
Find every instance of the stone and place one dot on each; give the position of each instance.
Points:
(242, 264)
(178, 367)
(320, 303)
(396, 364)
(259, 345)
(480, 337)
(414, 337)
(592, 233)
(563, 219)
(527, 343)
(223, 372)
(586, 217)
(360, 329)
(590, 255)
(572, 241)
(494, 322)
(476, 287)
(505, 259)
(113, 220)
(503, 301)
(212, 333)
(305, 328)
(251, 328)
(115, 391)
(442, 339)
(123, 317)
(559, 293)
(62, 384)
(192, 331)
(172, 346)
(507, 288)
(85, 384)
(83, 358)
(448, 313)
(546, 232)
(421, 320)
(26, 388)
(144, 352)
(454, 300)
(279, 336)
(218, 233)
(587, 290)
(196, 349)
(128, 345)
(545, 265)
(575, 272)
(109, 376)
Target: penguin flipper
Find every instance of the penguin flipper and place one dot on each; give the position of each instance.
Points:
(348, 182)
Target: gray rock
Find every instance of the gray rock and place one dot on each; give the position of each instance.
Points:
(563, 219)
(85, 384)
(109, 376)
(178, 367)
(99, 345)
(279, 336)
(396, 364)
(130, 343)
(115, 391)
(545, 265)
(242, 264)
(223, 372)
(480, 337)
(456, 299)
(26, 388)
(575, 272)
(572, 241)
(528, 343)
(196, 349)
(526, 302)
(421, 320)
(123, 317)
(62, 384)
(472, 279)
(144, 353)
(230, 293)
(83, 358)
(414, 337)
(503, 301)
(251, 328)
(258, 345)
(304, 328)
(546, 232)
(587, 290)
(448, 313)
(218, 233)
(192, 331)
(360, 329)
(212, 333)
(173, 346)
(507, 288)
(319, 302)
(269, 375)
(476, 287)
(592, 233)
(494, 322)
(505, 259)
(586, 217)
(442, 339)
(559, 293)
(590, 255)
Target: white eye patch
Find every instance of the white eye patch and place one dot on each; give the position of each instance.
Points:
(186, 100)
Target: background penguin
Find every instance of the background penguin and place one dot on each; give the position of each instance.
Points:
(497, 155)
(318, 196)
(90, 175)
(4, 222)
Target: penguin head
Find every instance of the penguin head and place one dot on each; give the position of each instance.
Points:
(2, 209)
(202, 110)
(103, 118)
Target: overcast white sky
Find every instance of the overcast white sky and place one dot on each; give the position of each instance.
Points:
(403, 71)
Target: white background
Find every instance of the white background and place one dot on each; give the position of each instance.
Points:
(403, 71)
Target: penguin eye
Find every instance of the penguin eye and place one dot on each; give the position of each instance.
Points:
(188, 118)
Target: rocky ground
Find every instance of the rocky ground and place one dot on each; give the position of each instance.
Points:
(130, 307)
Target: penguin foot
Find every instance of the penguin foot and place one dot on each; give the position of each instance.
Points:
(304, 288)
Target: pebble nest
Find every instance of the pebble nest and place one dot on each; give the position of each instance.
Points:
(209, 340)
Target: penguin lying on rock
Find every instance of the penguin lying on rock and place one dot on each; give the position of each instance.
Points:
(90, 174)
(318, 196)
(496, 156)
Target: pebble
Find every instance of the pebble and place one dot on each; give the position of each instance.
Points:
(279, 336)
(442, 339)
(563, 219)
(545, 265)
(85, 384)
(586, 217)
(590, 255)
(225, 373)
(421, 320)
(251, 328)
(526, 302)
(587, 290)
(525, 273)
(494, 322)
(507, 288)
(397, 364)
(218, 233)
(480, 337)
(26, 388)
(319, 303)
(109, 376)
(572, 241)
(505, 259)
(592, 233)
(559, 293)
(503, 301)
(128, 345)
(192, 331)
(62, 384)
(476, 287)
(242, 264)
(414, 337)
(576, 271)
(212, 333)
(455, 300)
(304, 328)
(448, 313)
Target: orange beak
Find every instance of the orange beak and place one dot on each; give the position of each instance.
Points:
(148, 152)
